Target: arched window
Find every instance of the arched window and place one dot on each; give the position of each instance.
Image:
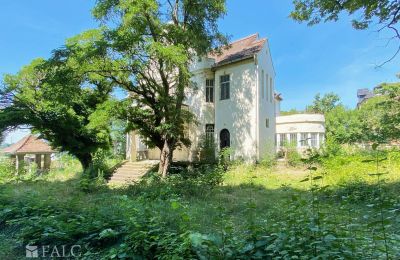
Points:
(225, 139)
(210, 134)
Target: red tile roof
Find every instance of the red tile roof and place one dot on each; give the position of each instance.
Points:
(239, 50)
(29, 144)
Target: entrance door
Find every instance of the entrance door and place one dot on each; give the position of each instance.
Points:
(225, 139)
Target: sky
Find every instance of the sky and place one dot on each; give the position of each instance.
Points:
(330, 57)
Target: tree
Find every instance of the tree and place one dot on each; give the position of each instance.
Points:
(147, 47)
(343, 125)
(380, 116)
(324, 104)
(56, 100)
(390, 104)
(386, 13)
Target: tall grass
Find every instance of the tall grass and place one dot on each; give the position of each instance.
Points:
(251, 213)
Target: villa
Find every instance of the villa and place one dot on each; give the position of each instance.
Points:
(234, 103)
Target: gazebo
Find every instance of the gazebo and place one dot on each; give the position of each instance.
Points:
(31, 145)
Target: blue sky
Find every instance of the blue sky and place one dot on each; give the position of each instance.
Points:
(330, 57)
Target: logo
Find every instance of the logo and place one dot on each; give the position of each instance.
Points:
(52, 252)
(31, 251)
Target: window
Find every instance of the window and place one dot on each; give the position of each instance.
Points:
(314, 140)
(266, 85)
(225, 85)
(267, 123)
(282, 140)
(270, 90)
(262, 84)
(321, 138)
(210, 134)
(293, 140)
(304, 139)
(210, 90)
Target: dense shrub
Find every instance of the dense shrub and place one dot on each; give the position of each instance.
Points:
(7, 168)
(293, 158)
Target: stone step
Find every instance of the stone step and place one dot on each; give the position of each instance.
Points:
(120, 182)
(138, 164)
(135, 169)
(131, 172)
(126, 176)
(124, 179)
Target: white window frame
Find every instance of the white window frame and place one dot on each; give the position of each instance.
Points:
(210, 90)
(225, 86)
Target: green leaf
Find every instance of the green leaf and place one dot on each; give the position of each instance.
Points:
(304, 180)
(175, 205)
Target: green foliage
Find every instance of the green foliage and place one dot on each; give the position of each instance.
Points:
(146, 48)
(7, 168)
(343, 126)
(55, 99)
(118, 137)
(331, 147)
(207, 150)
(336, 209)
(292, 111)
(380, 115)
(315, 11)
(324, 104)
(384, 14)
(225, 157)
(376, 120)
(293, 157)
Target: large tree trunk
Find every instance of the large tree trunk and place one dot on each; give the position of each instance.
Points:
(165, 159)
(85, 160)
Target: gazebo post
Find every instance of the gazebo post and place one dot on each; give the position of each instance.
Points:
(19, 162)
(38, 161)
(47, 162)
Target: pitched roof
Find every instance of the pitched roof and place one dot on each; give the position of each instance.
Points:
(239, 50)
(29, 144)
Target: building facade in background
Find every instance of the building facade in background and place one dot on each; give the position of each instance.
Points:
(300, 131)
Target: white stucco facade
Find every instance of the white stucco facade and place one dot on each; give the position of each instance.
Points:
(247, 114)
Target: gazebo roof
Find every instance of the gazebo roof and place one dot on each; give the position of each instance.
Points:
(29, 144)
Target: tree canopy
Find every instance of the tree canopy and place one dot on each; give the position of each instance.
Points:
(385, 13)
(376, 120)
(380, 116)
(324, 104)
(146, 47)
(56, 99)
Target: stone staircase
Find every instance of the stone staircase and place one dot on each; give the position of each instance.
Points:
(131, 172)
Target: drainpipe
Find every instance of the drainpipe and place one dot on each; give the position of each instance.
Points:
(257, 108)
